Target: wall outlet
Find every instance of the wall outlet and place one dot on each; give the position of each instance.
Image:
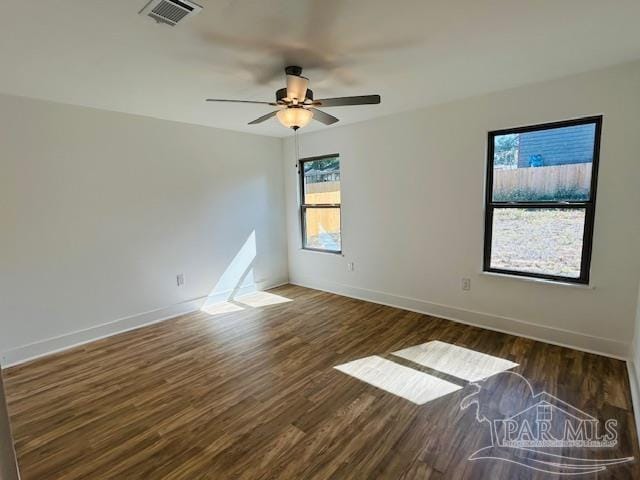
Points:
(350, 266)
(466, 284)
(180, 279)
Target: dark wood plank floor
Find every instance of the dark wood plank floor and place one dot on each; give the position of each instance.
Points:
(253, 394)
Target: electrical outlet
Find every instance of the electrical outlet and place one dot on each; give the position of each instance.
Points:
(466, 284)
(180, 279)
(350, 266)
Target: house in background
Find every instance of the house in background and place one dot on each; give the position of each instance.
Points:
(544, 148)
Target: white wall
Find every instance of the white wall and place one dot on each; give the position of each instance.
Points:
(100, 211)
(413, 186)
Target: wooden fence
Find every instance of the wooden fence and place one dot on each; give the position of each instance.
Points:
(323, 192)
(322, 219)
(543, 181)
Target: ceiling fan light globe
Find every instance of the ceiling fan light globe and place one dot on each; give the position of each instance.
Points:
(294, 117)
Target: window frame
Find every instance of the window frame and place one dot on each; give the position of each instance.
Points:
(304, 206)
(587, 205)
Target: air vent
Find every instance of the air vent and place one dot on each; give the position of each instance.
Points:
(170, 11)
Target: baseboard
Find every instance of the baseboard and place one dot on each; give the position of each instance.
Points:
(41, 348)
(634, 384)
(555, 336)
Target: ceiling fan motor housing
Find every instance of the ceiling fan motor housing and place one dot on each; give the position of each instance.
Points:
(293, 70)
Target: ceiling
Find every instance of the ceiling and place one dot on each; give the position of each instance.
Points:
(414, 53)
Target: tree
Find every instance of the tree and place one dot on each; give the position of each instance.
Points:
(323, 164)
(505, 150)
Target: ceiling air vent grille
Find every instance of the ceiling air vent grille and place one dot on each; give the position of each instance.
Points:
(170, 11)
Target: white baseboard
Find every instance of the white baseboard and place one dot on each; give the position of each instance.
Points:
(634, 384)
(555, 336)
(512, 326)
(41, 348)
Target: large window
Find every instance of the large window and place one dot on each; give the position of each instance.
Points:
(320, 190)
(540, 200)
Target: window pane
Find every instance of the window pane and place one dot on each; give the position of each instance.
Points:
(322, 228)
(544, 165)
(545, 241)
(322, 181)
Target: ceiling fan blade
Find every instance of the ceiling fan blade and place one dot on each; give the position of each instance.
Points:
(345, 101)
(264, 117)
(323, 117)
(240, 101)
(297, 87)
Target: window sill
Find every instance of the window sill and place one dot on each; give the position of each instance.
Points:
(543, 281)
(315, 250)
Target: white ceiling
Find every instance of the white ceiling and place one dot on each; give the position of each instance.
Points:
(102, 54)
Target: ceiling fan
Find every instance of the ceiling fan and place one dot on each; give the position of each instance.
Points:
(297, 106)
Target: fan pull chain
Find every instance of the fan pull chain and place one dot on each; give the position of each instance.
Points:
(297, 147)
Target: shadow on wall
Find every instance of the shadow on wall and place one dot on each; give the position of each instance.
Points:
(236, 289)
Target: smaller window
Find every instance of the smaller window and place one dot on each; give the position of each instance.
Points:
(320, 203)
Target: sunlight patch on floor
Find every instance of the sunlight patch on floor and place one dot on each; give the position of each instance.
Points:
(456, 361)
(261, 299)
(248, 301)
(417, 387)
(221, 308)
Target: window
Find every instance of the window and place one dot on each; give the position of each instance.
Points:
(540, 200)
(544, 413)
(320, 191)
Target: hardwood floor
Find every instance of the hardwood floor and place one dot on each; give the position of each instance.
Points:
(252, 394)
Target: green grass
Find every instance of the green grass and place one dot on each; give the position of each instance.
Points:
(561, 195)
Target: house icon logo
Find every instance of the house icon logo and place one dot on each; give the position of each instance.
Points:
(540, 431)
